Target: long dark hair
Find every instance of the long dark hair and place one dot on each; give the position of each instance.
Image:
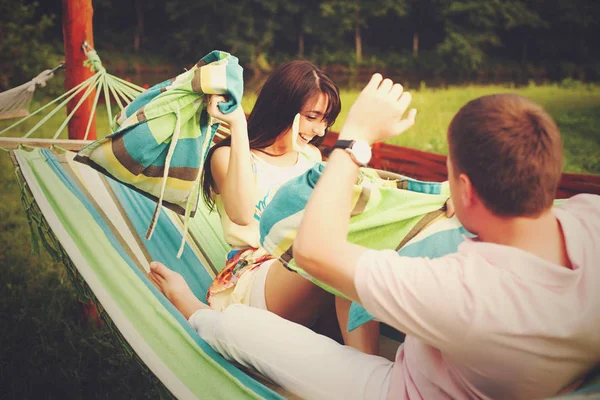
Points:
(282, 96)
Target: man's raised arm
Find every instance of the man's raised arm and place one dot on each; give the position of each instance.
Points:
(321, 247)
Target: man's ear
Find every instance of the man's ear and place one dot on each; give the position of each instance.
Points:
(467, 192)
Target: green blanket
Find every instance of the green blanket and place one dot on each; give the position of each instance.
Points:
(388, 210)
(161, 139)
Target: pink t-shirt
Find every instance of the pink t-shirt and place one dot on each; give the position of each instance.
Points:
(491, 321)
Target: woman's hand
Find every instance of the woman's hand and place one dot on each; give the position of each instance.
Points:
(235, 118)
(379, 112)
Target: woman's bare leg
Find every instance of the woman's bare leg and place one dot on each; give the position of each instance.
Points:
(327, 323)
(364, 338)
(293, 297)
(287, 294)
(175, 288)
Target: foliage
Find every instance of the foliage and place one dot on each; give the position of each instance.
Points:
(298, 21)
(245, 28)
(24, 48)
(351, 15)
(432, 40)
(472, 27)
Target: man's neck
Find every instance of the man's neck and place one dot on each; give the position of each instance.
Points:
(541, 236)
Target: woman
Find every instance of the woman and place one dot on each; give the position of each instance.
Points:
(293, 111)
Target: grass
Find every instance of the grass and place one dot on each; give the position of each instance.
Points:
(49, 351)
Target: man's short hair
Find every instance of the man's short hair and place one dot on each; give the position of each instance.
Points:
(511, 150)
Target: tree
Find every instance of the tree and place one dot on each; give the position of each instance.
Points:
(139, 26)
(421, 15)
(473, 28)
(568, 36)
(351, 15)
(245, 28)
(299, 19)
(132, 17)
(23, 52)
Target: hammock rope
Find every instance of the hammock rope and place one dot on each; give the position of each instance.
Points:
(113, 88)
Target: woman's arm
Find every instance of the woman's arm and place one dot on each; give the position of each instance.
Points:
(232, 166)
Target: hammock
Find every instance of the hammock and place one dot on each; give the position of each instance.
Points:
(14, 103)
(96, 226)
(388, 210)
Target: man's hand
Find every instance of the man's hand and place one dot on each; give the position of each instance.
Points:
(377, 113)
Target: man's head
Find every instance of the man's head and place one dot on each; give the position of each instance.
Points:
(507, 152)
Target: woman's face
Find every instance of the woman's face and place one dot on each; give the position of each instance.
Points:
(312, 120)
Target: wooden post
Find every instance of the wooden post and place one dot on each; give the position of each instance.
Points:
(77, 29)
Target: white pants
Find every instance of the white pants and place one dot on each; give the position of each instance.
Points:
(309, 365)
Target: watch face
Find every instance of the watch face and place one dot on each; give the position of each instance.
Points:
(362, 152)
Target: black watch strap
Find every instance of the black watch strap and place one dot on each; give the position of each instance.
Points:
(343, 144)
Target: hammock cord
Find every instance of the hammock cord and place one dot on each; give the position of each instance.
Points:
(114, 88)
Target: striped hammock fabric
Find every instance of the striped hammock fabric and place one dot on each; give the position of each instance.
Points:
(161, 138)
(100, 224)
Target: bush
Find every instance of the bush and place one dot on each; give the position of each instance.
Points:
(24, 50)
(570, 83)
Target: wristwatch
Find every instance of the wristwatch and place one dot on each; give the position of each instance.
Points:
(359, 150)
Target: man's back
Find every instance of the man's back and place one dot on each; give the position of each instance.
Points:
(492, 320)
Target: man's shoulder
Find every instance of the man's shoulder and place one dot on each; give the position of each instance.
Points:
(583, 202)
(584, 207)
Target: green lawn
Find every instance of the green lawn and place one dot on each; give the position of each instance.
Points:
(47, 351)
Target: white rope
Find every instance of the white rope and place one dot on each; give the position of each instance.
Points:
(158, 208)
(188, 210)
(83, 98)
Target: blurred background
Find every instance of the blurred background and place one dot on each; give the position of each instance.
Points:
(446, 52)
(438, 42)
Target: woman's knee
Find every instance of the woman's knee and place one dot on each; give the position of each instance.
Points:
(293, 297)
